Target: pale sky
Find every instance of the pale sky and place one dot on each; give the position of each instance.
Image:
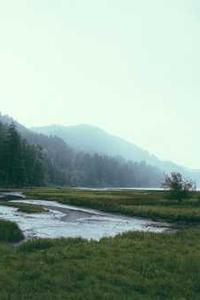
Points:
(131, 67)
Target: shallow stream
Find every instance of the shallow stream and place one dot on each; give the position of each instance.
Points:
(61, 220)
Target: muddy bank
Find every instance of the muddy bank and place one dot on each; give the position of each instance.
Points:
(11, 196)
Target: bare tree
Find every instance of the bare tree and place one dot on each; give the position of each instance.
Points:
(179, 187)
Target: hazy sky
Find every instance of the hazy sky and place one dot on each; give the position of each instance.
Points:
(129, 66)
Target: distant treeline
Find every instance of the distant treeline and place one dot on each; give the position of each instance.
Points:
(39, 160)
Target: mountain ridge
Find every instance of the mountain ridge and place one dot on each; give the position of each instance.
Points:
(92, 139)
(61, 130)
(66, 166)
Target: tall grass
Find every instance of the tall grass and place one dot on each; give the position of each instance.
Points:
(132, 266)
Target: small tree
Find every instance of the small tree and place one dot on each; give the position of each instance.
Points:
(179, 187)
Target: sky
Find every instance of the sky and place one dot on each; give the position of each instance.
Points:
(131, 67)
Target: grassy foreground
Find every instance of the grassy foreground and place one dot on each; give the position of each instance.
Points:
(132, 266)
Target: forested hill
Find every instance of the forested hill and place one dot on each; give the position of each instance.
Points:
(28, 158)
(92, 139)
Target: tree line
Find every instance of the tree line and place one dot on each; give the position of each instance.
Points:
(38, 160)
(21, 164)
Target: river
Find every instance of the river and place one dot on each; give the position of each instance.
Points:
(61, 220)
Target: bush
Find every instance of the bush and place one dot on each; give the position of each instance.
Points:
(10, 232)
(179, 187)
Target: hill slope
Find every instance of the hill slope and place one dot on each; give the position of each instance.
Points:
(66, 166)
(95, 140)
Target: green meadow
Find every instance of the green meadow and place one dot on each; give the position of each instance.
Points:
(155, 205)
(134, 265)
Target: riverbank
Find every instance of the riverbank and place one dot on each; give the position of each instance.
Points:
(134, 265)
(153, 205)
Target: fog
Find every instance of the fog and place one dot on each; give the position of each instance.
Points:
(130, 67)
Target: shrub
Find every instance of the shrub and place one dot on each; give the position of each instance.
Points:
(10, 232)
(179, 187)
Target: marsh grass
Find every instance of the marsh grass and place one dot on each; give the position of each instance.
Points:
(155, 205)
(24, 207)
(130, 266)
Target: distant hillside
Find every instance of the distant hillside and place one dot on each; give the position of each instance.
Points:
(95, 140)
(63, 165)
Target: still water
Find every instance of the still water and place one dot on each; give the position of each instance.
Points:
(61, 220)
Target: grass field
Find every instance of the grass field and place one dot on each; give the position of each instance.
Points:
(132, 266)
(155, 205)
